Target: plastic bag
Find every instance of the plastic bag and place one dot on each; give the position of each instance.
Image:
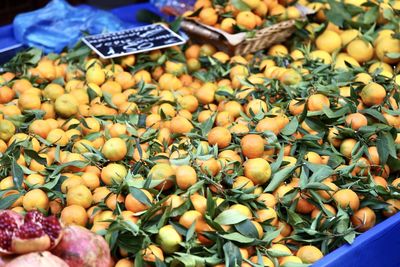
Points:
(173, 7)
(59, 25)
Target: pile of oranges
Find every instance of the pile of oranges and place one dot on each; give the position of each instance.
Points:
(242, 15)
(189, 156)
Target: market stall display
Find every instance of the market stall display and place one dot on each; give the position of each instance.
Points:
(189, 156)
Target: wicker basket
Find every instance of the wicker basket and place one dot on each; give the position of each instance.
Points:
(238, 44)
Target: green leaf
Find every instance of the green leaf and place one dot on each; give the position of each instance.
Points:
(279, 177)
(238, 238)
(277, 163)
(374, 113)
(107, 99)
(17, 173)
(239, 4)
(36, 54)
(291, 127)
(278, 253)
(386, 147)
(335, 114)
(139, 195)
(393, 55)
(322, 173)
(247, 228)
(229, 217)
(190, 232)
(34, 155)
(233, 257)
(294, 218)
(7, 201)
(337, 14)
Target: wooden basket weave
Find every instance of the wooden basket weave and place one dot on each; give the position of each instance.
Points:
(263, 38)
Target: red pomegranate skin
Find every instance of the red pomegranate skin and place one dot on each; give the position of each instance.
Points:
(37, 259)
(80, 247)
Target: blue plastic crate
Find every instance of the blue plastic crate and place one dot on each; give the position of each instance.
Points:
(378, 247)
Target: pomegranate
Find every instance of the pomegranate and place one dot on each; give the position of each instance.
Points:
(31, 233)
(37, 259)
(80, 247)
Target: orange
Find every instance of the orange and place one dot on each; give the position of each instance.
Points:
(6, 94)
(317, 102)
(206, 93)
(82, 146)
(373, 155)
(95, 75)
(246, 19)
(29, 101)
(135, 205)
(66, 105)
(363, 219)
(242, 182)
(113, 172)
(91, 180)
(264, 259)
(373, 94)
(118, 129)
(100, 193)
(185, 176)
(392, 208)
(387, 45)
(70, 182)
(360, 50)
(21, 85)
(208, 16)
(191, 216)
(356, 120)
(153, 252)
(309, 254)
(252, 146)
(219, 136)
(258, 170)
(345, 198)
(255, 107)
(90, 125)
(58, 137)
(162, 173)
(189, 102)
(79, 195)
(125, 262)
(296, 107)
(289, 259)
(347, 146)
(7, 130)
(199, 203)
(267, 214)
(180, 125)
(227, 25)
(114, 149)
(278, 50)
(74, 215)
(125, 79)
(52, 91)
(39, 127)
(327, 194)
(35, 199)
(112, 201)
(328, 41)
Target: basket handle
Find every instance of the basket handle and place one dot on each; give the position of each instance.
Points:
(189, 26)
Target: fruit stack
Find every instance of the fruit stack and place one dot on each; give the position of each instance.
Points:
(188, 156)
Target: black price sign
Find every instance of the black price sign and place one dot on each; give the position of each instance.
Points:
(132, 41)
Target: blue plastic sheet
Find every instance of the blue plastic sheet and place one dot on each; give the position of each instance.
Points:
(59, 25)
